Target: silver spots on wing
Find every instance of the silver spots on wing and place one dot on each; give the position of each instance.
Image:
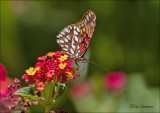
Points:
(75, 32)
(57, 36)
(67, 30)
(79, 51)
(89, 14)
(65, 49)
(72, 51)
(73, 45)
(58, 41)
(85, 21)
(61, 41)
(62, 33)
(94, 18)
(77, 47)
(76, 54)
(78, 29)
(92, 25)
(65, 39)
(87, 17)
(75, 27)
(70, 27)
(67, 46)
(61, 45)
(69, 37)
(76, 38)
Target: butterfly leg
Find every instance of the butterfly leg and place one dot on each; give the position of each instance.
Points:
(77, 64)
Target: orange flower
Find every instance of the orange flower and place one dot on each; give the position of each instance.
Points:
(40, 86)
(50, 54)
(42, 58)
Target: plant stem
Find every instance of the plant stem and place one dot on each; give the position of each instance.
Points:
(49, 103)
(47, 109)
(56, 93)
(51, 92)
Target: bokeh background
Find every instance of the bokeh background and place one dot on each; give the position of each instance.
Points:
(126, 39)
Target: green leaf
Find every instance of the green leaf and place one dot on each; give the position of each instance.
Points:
(26, 91)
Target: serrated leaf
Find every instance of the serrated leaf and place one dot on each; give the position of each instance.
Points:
(26, 91)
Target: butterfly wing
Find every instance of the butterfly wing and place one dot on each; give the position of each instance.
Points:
(87, 26)
(69, 40)
(74, 39)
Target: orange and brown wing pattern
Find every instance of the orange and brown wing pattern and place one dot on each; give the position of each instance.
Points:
(87, 27)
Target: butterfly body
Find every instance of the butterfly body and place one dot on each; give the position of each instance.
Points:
(75, 38)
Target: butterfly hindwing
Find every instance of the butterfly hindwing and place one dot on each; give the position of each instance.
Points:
(69, 41)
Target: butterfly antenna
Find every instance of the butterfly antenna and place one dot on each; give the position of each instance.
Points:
(98, 65)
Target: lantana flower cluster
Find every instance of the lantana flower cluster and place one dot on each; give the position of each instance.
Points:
(52, 66)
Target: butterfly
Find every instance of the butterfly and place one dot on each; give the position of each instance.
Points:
(75, 38)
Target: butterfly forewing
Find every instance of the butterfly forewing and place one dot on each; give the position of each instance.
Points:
(87, 25)
(75, 38)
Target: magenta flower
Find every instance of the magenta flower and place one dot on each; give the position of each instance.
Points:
(3, 73)
(4, 91)
(81, 89)
(5, 81)
(115, 80)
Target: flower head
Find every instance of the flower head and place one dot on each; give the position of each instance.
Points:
(50, 74)
(81, 89)
(57, 54)
(4, 81)
(42, 58)
(53, 66)
(50, 54)
(115, 80)
(63, 58)
(40, 86)
(3, 72)
(62, 66)
(31, 71)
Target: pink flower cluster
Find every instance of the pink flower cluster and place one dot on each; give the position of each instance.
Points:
(4, 81)
(52, 66)
(115, 80)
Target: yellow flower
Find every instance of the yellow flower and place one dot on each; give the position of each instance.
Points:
(63, 58)
(31, 71)
(69, 74)
(37, 68)
(62, 66)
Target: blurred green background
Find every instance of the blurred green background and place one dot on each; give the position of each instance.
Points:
(126, 38)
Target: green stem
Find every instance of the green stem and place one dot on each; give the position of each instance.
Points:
(51, 92)
(48, 103)
(47, 109)
(56, 93)
(45, 95)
